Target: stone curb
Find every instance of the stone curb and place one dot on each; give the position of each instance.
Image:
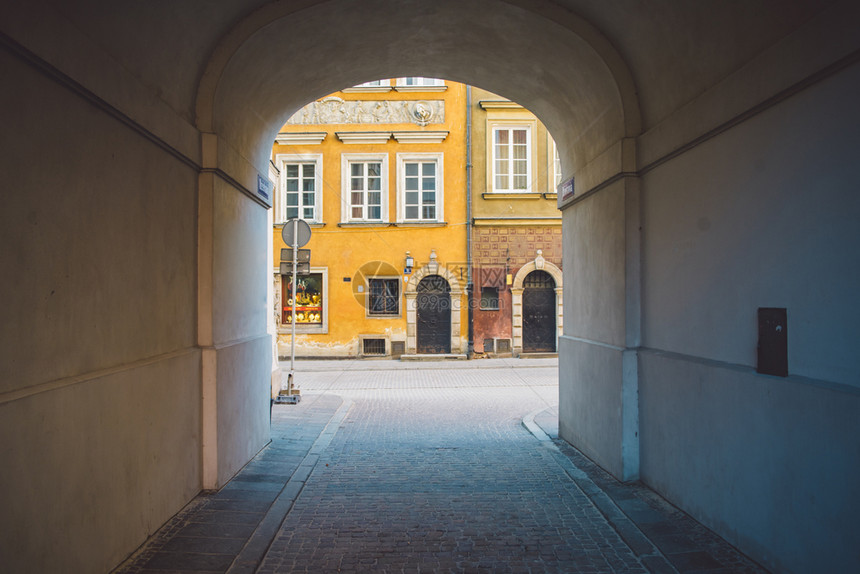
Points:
(648, 554)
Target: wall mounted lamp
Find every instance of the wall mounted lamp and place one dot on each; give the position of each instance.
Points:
(409, 264)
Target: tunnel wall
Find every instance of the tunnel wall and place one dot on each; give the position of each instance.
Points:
(100, 381)
(759, 213)
(762, 215)
(590, 415)
(242, 344)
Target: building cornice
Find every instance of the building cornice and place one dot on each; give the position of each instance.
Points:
(300, 138)
(516, 221)
(499, 105)
(420, 137)
(364, 138)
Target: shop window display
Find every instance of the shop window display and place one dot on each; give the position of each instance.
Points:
(309, 303)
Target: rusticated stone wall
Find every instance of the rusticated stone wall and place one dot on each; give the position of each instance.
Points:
(492, 246)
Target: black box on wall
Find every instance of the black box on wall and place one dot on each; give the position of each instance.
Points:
(773, 341)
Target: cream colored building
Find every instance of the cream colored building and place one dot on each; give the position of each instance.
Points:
(516, 230)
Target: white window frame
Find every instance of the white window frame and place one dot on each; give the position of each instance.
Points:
(374, 84)
(303, 328)
(556, 167)
(421, 81)
(530, 128)
(281, 161)
(347, 160)
(402, 160)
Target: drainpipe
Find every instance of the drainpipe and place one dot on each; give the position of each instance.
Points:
(469, 287)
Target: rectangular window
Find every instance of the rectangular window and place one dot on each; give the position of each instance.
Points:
(511, 159)
(365, 185)
(300, 186)
(490, 298)
(373, 347)
(418, 81)
(383, 297)
(300, 190)
(374, 83)
(419, 187)
(309, 299)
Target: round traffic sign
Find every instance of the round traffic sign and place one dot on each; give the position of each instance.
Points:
(302, 230)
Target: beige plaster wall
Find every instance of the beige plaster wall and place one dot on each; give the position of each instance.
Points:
(594, 256)
(244, 390)
(98, 465)
(240, 264)
(237, 348)
(764, 215)
(98, 236)
(99, 374)
(768, 463)
(591, 384)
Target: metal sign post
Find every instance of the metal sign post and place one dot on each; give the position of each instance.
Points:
(293, 316)
(296, 233)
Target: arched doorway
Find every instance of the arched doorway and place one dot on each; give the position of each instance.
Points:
(539, 315)
(434, 316)
(545, 280)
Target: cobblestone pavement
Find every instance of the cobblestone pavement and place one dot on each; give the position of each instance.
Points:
(429, 468)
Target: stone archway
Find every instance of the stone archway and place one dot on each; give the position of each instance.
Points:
(411, 294)
(540, 264)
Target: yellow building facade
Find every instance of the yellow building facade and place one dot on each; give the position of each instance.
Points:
(378, 172)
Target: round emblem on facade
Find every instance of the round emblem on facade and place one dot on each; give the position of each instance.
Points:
(422, 113)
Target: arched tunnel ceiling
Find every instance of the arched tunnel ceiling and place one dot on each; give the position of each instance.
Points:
(487, 43)
(674, 50)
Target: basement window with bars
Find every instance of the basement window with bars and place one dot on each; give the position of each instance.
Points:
(373, 347)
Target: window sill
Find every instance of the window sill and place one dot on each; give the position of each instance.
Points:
(364, 224)
(383, 316)
(392, 224)
(421, 224)
(280, 224)
(550, 196)
(512, 195)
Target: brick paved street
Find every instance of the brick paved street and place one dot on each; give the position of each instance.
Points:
(429, 467)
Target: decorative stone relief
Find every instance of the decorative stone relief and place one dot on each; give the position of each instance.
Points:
(539, 260)
(334, 110)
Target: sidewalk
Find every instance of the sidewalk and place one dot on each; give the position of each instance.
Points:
(230, 531)
(288, 510)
